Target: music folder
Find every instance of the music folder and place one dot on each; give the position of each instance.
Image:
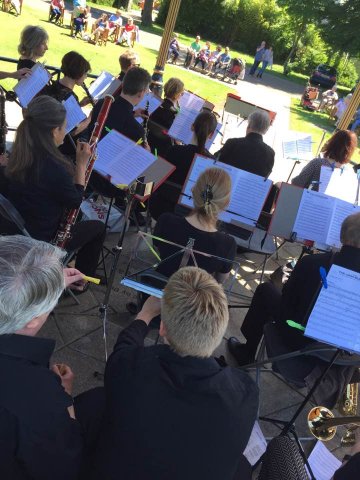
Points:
(248, 192)
(74, 113)
(335, 318)
(123, 161)
(28, 87)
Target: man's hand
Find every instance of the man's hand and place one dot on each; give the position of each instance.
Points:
(150, 310)
(66, 375)
(140, 112)
(73, 279)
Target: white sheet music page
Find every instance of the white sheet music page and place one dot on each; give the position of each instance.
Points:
(322, 462)
(335, 318)
(343, 184)
(181, 126)
(121, 158)
(74, 114)
(191, 101)
(297, 146)
(256, 446)
(314, 216)
(213, 137)
(248, 196)
(30, 86)
(325, 175)
(341, 211)
(154, 103)
(102, 85)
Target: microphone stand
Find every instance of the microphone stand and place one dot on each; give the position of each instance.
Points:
(136, 189)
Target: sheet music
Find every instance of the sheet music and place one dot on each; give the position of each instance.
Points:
(191, 101)
(181, 126)
(322, 462)
(341, 211)
(30, 86)
(247, 199)
(343, 184)
(298, 146)
(121, 158)
(314, 216)
(248, 191)
(104, 84)
(325, 175)
(335, 318)
(154, 103)
(74, 114)
(256, 446)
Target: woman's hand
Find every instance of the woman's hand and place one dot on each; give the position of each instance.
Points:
(83, 152)
(19, 74)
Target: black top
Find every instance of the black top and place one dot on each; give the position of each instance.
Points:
(350, 470)
(59, 91)
(178, 230)
(171, 417)
(120, 118)
(121, 76)
(299, 292)
(249, 153)
(25, 63)
(42, 202)
(165, 114)
(159, 123)
(38, 438)
(166, 196)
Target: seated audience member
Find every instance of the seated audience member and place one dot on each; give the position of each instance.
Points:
(43, 182)
(250, 153)
(341, 106)
(336, 153)
(75, 69)
(329, 98)
(127, 60)
(79, 23)
(165, 198)
(297, 296)
(203, 56)
(174, 49)
(192, 51)
(39, 436)
(172, 411)
(56, 9)
(223, 60)
(33, 45)
(213, 58)
(18, 74)
(127, 33)
(115, 21)
(78, 7)
(211, 196)
(164, 116)
(100, 25)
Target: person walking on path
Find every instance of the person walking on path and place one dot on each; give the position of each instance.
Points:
(260, 50)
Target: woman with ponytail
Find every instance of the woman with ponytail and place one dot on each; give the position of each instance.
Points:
(211, 196)
(43, 182)
(166, 197)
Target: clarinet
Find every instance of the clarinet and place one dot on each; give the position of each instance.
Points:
(88, 94)
(70, 215)
(145, 123)
(3, 125)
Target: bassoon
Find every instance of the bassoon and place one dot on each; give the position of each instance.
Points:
(70, 215)
(3, 125)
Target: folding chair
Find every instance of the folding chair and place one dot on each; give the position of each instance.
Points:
(59, 22)
(8, 7)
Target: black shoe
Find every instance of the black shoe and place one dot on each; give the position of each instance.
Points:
(240, 351)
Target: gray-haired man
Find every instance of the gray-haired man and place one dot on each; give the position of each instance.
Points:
(39, 436)
(250, 153)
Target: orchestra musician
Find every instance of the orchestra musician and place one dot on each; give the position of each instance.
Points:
(127, 60)
(162, 118)
(33, 45)
(43, 182)
(211, 196)
(166, 196)
(75, 69)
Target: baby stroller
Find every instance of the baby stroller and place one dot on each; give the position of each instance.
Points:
(309, 96)
(235, 71)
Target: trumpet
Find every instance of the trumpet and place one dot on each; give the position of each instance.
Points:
(323, 424)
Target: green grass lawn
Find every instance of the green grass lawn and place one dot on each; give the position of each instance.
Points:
(314, 123)
(101, 58)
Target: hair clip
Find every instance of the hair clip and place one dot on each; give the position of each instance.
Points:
(207, 194)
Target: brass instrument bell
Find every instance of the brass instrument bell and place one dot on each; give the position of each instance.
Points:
(322, 423)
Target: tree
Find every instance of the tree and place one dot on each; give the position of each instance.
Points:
(301, 13)
(146, 16)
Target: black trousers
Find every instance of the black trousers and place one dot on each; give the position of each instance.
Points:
(264, 308)
(88, 238)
